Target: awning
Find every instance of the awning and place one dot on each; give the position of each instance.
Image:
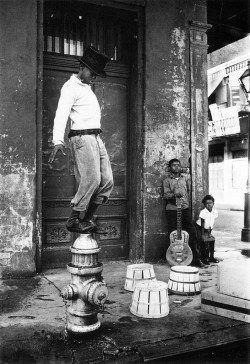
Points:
(214, 80)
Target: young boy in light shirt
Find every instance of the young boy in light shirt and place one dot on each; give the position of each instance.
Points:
(204, 226)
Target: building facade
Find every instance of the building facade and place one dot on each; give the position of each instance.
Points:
(154, 108)
(228, 124)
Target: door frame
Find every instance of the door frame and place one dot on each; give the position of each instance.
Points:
(39, 118)
(135, 139)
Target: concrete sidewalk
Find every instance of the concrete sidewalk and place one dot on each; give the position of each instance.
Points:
(32, 325)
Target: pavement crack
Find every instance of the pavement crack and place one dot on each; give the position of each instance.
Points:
(73, 356)
(110, 340)
(114, 350)
(59, 290)
(53, 284)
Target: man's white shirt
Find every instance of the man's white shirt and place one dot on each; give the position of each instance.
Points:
(79, 103)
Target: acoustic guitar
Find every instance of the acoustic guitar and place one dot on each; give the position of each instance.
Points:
(179, 252)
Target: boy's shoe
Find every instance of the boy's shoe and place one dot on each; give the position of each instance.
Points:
(81, 227)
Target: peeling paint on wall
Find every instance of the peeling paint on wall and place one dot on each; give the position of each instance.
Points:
(16, 220)
(18, 136)
(167, 111)
(168, 130)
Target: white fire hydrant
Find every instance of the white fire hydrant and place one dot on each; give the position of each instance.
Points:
(87, 292)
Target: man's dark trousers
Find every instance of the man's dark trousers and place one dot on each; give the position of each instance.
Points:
(187, 225)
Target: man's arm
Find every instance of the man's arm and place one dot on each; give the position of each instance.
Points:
(65, 104)
(167, 192)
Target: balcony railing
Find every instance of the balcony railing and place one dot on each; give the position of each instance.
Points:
(226, 127)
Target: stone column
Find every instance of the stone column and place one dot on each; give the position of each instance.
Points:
(227, 187)
(198, 113)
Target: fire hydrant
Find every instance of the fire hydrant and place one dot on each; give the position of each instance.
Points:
(87, 292)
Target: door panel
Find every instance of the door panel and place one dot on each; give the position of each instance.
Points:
(59, 184)
(112, 98)
(69, 26)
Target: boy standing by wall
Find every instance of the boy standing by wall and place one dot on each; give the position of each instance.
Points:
(204, 226)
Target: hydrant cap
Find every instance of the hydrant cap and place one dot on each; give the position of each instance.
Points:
(86, 242)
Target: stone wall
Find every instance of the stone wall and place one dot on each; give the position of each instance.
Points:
(17, 135)
(173, 103)
(167, 107)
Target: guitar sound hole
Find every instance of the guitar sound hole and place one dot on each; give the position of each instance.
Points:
(178, 248)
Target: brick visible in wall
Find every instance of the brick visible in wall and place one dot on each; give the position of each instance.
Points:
(4, 259)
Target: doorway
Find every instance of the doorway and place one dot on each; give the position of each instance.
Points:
(68, 29)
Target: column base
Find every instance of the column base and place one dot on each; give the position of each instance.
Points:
(78, 330)
(245, 232)
(245, 235)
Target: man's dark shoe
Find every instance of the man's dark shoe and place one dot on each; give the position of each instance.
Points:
(81, 227)
(99, 230)
(198, 263)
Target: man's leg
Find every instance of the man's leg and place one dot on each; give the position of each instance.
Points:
(105, 187)
(87, 169)
(85, 152)
(89, 218)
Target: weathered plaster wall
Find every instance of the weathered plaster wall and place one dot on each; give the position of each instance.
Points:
(167, 108)
(18, 69)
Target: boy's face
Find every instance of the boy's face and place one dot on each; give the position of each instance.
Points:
(175, 167)
(209, 205)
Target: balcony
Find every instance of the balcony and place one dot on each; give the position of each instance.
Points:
(228, 126)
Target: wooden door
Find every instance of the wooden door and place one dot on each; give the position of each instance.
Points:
(59, 185)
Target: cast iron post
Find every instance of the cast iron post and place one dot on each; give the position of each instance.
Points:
(245, 233)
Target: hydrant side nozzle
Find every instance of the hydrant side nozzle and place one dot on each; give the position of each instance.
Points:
(101, 297)
(69, 292)
(97, 293)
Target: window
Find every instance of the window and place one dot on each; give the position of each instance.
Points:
(239, 169)
(235, 95)
(70, 27)
(216, 172)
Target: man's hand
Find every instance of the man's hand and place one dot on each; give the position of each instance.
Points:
(57, 148)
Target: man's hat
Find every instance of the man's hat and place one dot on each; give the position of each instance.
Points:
(94, 60)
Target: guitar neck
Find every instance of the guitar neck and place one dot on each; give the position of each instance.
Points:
(179, 223)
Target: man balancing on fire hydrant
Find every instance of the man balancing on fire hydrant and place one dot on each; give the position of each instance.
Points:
(91, 162)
